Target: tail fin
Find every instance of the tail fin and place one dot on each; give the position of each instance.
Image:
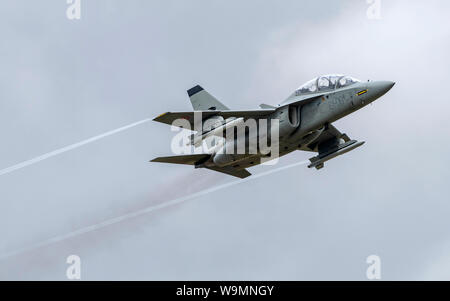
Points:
(203, 101)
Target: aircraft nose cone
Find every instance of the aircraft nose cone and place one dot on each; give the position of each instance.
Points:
(380, 88)
(387, 85)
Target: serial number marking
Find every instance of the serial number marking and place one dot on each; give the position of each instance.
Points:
(246, 290)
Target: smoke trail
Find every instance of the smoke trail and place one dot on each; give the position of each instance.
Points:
(147, 210)
(69, 148)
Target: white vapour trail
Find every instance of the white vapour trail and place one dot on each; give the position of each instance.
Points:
(69, 148)
(147, 210)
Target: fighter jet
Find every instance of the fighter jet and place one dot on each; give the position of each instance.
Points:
(305, 123)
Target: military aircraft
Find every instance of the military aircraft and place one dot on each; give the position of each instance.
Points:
(305, 123)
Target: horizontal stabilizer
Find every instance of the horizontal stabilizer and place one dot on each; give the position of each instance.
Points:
(239, 173)
(183, 159)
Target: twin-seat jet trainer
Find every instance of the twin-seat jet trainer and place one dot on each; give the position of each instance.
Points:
(302, 122)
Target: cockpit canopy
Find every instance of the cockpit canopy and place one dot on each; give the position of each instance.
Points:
(326, 83)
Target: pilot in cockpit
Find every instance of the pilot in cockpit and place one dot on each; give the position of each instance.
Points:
(326, 83)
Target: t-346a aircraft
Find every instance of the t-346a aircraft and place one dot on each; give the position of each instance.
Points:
(304, 123)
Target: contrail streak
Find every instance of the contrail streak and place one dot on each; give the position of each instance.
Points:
(147, 210)
(69, 148)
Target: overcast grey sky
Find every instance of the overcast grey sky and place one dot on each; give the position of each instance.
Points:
(64, 81)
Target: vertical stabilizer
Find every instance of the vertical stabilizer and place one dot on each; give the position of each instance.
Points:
(203, 101)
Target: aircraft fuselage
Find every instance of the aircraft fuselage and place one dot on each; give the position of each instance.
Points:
(299, 122)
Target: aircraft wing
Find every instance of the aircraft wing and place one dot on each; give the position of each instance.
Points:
(170, 117)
